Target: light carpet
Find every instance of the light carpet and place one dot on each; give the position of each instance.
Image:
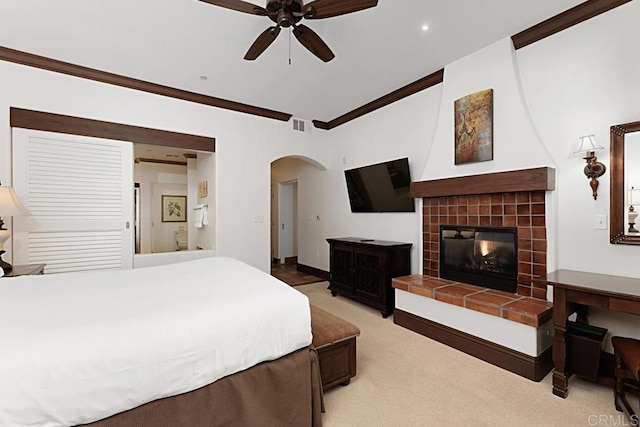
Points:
(406, 379)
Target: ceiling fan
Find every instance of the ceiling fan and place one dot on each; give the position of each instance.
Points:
(288, 13)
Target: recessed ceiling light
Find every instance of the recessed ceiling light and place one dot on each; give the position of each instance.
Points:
(203, 77)
(425, 27)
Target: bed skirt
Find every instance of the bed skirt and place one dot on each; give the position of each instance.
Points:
(285, 391)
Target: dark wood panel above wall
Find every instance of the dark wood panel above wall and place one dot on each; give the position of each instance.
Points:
(536, 179)
(24, 58)
(37, 120)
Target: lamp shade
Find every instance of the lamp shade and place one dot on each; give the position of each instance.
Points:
(587, 143)
(634, 196)
(10, 205)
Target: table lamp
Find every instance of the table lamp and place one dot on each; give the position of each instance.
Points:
(634, 199)
(10, 205)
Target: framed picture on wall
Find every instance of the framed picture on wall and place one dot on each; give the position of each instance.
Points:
(203, 190)
(474, 127)
(174, 208)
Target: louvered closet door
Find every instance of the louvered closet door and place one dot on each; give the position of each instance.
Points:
(79, 191)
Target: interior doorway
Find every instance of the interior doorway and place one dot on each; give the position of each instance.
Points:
(296, 230)
(288, 222)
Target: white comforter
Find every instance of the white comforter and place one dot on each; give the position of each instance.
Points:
(78, 347)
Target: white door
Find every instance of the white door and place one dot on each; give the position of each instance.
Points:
(287, 214)
(79, 191)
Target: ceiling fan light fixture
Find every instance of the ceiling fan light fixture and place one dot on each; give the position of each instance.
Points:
(285, 18)
(288, 13)
(425, 27)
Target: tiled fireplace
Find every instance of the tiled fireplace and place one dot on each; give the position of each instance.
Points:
(502, 199)
(509, 329)
(524, 210)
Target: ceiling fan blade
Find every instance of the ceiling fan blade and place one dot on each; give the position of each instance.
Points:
(313, 42)
(262, 43)
(239, 5)
(319, 9)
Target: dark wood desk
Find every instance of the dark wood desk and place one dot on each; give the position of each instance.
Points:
(595, 290)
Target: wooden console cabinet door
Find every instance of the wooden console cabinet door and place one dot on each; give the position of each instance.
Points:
(362, 269)
(368, 277)
(341, 260)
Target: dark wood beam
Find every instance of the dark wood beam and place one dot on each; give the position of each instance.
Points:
(405, 91)
(321, 125)
(49, 64)
(164, 162)
(37, 120)
(564, 20)
(536, 179)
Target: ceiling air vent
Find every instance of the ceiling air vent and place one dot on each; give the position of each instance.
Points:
(300, 125)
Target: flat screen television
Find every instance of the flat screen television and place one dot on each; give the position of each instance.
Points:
(383, 187)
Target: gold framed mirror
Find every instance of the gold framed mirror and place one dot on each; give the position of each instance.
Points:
(619, 188)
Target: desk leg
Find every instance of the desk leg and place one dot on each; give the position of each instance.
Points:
(560, 378)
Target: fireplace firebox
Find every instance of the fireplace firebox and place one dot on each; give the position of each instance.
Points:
(483, 256)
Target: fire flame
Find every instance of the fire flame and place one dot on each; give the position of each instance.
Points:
(485, 247)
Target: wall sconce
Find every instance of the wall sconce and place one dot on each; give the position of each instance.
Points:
(594, 169)
(634, 199)
(10, 205)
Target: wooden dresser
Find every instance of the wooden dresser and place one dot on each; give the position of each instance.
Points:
(362, 269)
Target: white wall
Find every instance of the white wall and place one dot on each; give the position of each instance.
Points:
(245, 145)
(580, 82)
(402, 129)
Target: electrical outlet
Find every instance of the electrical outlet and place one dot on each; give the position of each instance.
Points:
(601, 222)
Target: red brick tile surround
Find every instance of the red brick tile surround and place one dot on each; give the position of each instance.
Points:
(522, 309)
(523, 209)
(510, 199)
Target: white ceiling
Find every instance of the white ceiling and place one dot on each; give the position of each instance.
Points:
(174, 42)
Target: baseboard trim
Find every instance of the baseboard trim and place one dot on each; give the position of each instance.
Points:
(324, 275)
(533, 368)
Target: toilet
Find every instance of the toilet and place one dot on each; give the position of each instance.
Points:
(182, 240)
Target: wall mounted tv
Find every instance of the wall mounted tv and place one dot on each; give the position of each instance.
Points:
(383, 187)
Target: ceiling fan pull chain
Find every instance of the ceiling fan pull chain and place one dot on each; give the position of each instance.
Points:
(290, 30)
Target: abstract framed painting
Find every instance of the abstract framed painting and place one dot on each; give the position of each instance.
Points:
(474, 127)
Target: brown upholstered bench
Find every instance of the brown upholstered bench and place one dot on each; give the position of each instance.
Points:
(335, 340)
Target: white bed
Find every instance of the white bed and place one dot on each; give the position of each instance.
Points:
(79, 347)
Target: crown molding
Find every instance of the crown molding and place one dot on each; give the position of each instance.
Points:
(564, 20)
(49, 64)
(405, 91)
